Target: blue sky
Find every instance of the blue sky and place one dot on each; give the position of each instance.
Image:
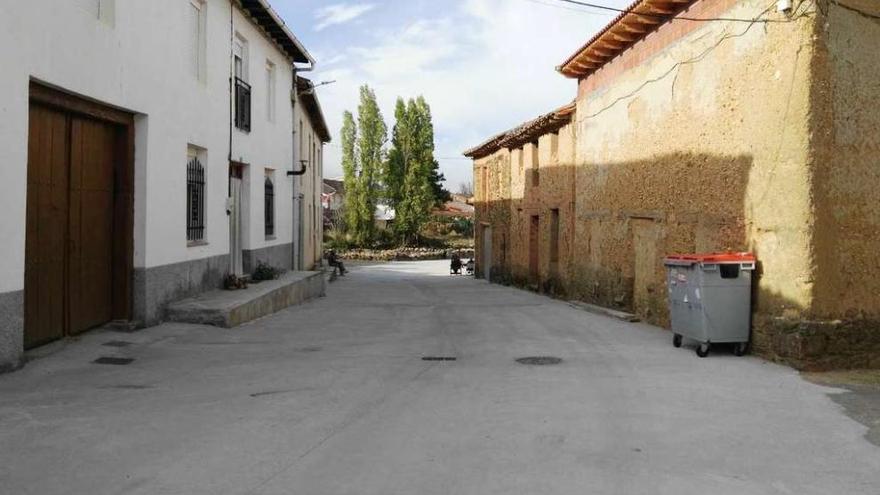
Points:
(483, 65)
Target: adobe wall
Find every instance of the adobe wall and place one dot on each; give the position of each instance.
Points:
(843, 327)
(702, 146)
(492, 208)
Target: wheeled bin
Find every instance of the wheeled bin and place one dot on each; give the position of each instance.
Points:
(710, 299)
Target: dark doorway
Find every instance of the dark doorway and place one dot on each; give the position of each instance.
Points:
(534, 246)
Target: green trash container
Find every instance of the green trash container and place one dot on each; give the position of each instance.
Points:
(710, 299)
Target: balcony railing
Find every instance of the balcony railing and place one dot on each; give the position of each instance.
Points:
(242, 105)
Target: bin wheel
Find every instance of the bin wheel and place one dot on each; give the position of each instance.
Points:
(676, 340)
(740, 348)
(703, 350)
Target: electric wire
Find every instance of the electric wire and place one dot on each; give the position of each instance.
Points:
(667, 17)
(695, 59)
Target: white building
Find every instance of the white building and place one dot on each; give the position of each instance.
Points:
(146, 153)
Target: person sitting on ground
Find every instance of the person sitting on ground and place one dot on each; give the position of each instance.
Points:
(335, 262)
(470, 266)
(455, 264)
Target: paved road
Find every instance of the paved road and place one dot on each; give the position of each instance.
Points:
(333, 398)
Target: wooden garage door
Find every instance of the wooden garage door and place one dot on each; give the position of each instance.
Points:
(71, 228)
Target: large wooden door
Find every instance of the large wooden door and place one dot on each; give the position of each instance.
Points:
(47, 216)
(78, 221)
(93, 152)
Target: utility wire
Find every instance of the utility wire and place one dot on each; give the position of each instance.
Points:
(667, 17)
(549, 3)
(695, 59)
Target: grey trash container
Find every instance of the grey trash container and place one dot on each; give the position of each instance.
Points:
(710, 298)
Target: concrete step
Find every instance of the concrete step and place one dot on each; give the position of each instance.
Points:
(230, 308)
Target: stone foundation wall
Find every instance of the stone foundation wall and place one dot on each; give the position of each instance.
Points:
(155, 287)
(12, 336)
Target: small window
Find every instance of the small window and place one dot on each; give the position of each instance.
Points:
(269, 204)
(195, 195)
(270, 91)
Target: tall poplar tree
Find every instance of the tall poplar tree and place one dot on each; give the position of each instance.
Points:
(350, 172)
(372, 134)
(409, 170)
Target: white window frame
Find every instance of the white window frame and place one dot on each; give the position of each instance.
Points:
(240, 51)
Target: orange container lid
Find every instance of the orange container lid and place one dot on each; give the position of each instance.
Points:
(714, 257)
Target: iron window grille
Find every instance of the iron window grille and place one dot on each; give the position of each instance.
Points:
(269, 207)
(195, 200)
(242, 105)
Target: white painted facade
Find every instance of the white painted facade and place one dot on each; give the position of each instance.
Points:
(138, 56)
(310, 147)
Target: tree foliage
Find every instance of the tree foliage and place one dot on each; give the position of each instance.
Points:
(362, 156)
(410, 171)
(407, 177)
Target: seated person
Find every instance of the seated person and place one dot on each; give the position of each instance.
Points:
(455, 264)
(335, 262)
(470, 266)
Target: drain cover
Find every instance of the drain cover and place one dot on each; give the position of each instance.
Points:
(439, 358)
(539, 360)
(113, 360)
(117, 343)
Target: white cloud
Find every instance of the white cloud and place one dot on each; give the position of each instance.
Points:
(484, 66)
(340, 13)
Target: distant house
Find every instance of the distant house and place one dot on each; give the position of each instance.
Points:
(457, 208)
(384, 216)
(332, 201)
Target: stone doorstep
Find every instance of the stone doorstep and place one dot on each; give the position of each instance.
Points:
(230, 308)
(601, 310)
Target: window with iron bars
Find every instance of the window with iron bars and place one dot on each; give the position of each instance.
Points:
(195, 200)
(269, 214)
(242, 105)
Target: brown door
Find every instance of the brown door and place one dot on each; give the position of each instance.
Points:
(47, 216)
(90, 246)
(72, 203)
(648, 283)
(534, 237)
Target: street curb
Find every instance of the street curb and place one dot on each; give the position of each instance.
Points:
(600, 310)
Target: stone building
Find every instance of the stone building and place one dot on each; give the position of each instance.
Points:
(757, 131)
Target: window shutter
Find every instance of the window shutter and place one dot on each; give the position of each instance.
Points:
(193, 36)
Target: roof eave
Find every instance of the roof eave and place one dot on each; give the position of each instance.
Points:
(291, 44)
(638, 20)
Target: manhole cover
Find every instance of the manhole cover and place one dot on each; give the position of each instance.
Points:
(117, 343)
(439, 358)
(113, 360)
(539, 360)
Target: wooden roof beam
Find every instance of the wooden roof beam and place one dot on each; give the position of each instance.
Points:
(651, 21)
(633, 28)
